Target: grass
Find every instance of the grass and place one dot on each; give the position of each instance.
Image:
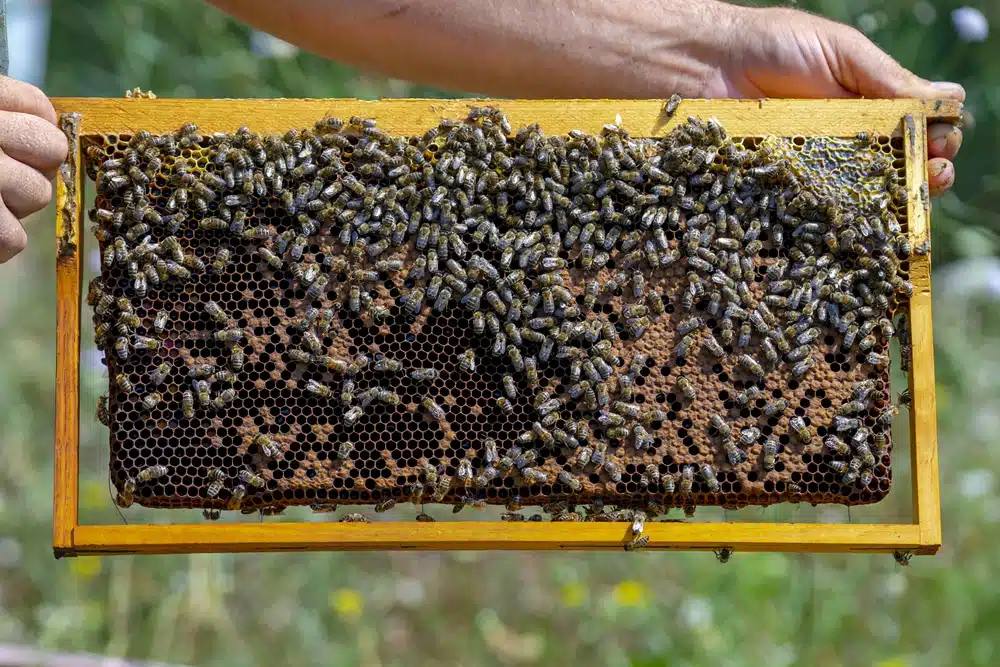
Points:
(494, 608)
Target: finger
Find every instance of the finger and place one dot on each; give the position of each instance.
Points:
(23, 189)
(867, 70)
(943, 140)
(13, 238)
(31, 140)
(941, 175)
(24, 98)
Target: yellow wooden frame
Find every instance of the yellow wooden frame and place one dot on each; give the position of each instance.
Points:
(906, 118)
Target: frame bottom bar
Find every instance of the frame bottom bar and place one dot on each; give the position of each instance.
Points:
(273, 537)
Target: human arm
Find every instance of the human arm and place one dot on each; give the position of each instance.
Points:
(31, 150)
(599, 48)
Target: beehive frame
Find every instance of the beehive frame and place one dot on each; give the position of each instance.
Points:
(900, 118)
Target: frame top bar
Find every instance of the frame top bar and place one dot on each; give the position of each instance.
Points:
(415, 116)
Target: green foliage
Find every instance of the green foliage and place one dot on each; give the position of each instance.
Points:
(464, 608)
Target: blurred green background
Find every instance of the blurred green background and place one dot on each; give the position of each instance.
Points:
(504, 609)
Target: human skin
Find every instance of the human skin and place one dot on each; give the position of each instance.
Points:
(31, 149)
(531, 48)
(606, 49)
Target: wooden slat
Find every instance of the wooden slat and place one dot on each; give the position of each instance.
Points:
(488, 535)
(923, 410)
(68, 280)
(415, 116)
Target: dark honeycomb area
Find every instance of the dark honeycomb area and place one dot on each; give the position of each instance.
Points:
(279, 429)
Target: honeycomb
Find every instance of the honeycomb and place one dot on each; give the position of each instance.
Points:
(478, 316)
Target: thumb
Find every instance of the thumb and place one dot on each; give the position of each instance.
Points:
(864, 69)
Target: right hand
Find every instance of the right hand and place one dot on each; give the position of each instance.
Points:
(777, 52)
(31, 149)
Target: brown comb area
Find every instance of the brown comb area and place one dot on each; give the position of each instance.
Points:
(399, 449)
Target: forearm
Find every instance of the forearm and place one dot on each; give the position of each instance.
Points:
(513, 48)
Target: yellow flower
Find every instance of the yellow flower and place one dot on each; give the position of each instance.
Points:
(94, 495)
(85, 567)
(894, 662)
(629, 593)
(347, 602)
(574, 594)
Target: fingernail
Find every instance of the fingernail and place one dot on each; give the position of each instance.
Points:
(949, 89)
(936, 167)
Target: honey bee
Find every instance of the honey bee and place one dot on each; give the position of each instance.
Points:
(127, 495)
(201, 371)
(251, 479)
(708, 476)
(318, 389)
(159, 374)
(151, 473)
(312, 342)
(268, 448)
(687, 480)
(269, 258)
(323, 508)
(224, 398)
(836, 446)
(750, 365)
(201, 389)
(229, 336)
(122, 348)
(216, 479)
(723, 554)
(187, 404)
(509, 387)
(236, 499)
(638, 543)
(216, 313)
(467, 361)
(770, 451)
(160, 321)
(748, 436)
(464, 472)
(776, 407)
(303, 357)
(720, 425)
(213, 224)
(150, 401)
(354, 517)
(123, 384)
(686, 388)
(424, 374)
(802, 432)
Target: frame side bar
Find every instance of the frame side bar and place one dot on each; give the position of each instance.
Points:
(923, 410)
(250, 537)
(68, 281)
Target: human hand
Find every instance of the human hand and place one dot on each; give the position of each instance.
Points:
(789, 53)
(31, 149)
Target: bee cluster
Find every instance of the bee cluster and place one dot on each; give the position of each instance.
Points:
(477, 316)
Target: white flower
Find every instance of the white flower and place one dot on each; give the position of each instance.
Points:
(976, 483)
(10, 552)
(867, 23)
(696, 612)
(924, 12)
(269, 46)
(970, 24)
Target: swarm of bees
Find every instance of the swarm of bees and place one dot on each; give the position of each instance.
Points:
(558, 251)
